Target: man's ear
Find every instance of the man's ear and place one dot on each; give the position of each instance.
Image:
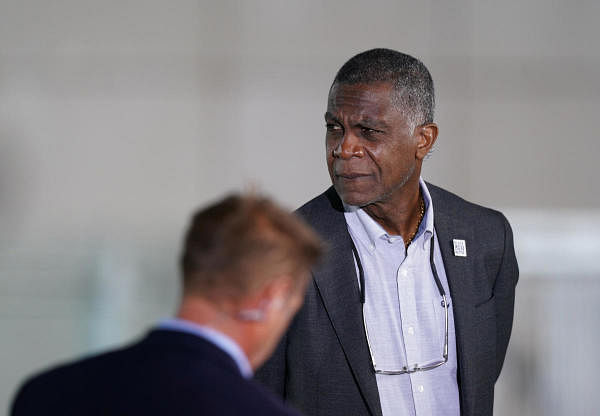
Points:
(270, 297)
(427, 135)
(275, 292)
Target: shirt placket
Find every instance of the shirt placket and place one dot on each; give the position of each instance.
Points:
(411, 331)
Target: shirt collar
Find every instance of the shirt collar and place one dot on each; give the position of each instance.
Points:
(368, 231)
(426, 226)
(219, 339)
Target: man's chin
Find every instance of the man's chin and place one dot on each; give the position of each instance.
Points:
(355, 199)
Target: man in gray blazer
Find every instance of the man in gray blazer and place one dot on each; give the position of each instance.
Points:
(411, 311)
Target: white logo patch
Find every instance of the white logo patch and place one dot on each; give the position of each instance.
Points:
(460, 248)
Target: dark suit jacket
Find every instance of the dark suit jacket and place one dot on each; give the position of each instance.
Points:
(322, 365)
(167, 373)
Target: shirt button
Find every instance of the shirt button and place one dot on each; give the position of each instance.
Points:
(421, 388)
(403, 273)
(411, 330)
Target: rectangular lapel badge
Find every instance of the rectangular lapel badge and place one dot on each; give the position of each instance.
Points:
(460, 248)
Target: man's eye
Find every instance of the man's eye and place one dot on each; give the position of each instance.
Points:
(332, 127)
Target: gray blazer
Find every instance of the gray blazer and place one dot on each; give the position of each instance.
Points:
(322, 364)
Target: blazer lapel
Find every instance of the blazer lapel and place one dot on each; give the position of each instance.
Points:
(459, 271)
(337, 283)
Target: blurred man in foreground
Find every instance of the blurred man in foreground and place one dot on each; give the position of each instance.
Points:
(245, 269)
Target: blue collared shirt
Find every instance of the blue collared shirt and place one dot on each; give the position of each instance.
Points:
(405, 317)
(218, 338)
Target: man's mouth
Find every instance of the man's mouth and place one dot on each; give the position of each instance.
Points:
(351, 175)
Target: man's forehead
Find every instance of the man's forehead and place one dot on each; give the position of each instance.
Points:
(358, 117)
(369, 88)
(364, 100)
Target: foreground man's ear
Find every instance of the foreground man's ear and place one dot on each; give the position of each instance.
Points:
(270, 297)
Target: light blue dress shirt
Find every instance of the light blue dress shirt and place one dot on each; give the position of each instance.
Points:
(221, 340)
(405, 317)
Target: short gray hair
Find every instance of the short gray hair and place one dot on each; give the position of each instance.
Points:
(409, 76)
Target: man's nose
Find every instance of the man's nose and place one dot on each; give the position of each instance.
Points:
(348, 147)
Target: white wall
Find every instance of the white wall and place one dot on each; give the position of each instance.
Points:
(118, 118)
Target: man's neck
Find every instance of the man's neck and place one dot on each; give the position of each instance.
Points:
(398, 214)
(203, 312)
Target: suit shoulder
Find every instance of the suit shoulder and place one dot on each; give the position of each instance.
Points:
(42, 390)
(45, 389)
(317, 203)
(458, 207)
(325, 214)
(325, 204)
